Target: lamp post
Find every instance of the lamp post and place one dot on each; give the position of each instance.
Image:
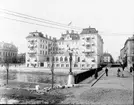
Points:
(70, 76)
(70, 60)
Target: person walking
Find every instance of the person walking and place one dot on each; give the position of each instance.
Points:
(131, 69)
(118, 72)
(96, 74)
(106, 71)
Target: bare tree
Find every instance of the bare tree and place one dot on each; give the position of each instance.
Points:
(53, 49)
(6, 61)
(52, 71)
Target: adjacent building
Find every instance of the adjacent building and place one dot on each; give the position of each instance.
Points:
(127, 52)
(39, 48)
(107, 58)
(7, 50)
(87, 49)
(21, 58)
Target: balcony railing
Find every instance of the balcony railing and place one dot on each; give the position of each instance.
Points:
(32, 52)
(32, 46)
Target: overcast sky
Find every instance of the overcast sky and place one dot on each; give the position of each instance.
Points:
(113, 18)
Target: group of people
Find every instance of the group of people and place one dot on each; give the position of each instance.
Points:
(119, 73)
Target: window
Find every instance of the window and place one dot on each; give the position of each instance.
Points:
(78, 59)
(88, 39)
(62, 65)
(57, 59)
(75, 65)
(66, 59)
(46, 52)
(40, 52)
(47, 59)
(94, 60)
(41, 46)
(57, 65)
(0, 53)
(83, 65)
(83, 60)
(61, 59)
(67, 65)
(88, 65)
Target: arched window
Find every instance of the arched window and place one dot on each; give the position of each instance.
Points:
(66, 59)
(61, 59)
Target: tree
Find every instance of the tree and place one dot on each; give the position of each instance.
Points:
(52, 71)
(6, 61)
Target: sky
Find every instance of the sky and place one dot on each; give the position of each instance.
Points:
(114, 19)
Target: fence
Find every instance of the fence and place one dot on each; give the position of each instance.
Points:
(84, 75)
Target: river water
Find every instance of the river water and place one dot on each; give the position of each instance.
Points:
(33, 77)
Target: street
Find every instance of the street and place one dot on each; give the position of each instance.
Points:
(108, 90)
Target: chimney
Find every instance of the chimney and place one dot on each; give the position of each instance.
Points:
(50, 37)
(46, 36)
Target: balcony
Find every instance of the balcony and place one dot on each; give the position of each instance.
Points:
(32, 41)
(89, 51)
(32, 46)
(32, 52)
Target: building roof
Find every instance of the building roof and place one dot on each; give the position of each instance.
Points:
(35, 34)
(8, 46)
(73, 36)
(129, 39)
(89, 31)
(40, 34)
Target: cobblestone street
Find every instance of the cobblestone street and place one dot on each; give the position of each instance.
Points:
(108, 90)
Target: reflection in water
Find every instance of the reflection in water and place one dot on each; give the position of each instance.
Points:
(34, 77)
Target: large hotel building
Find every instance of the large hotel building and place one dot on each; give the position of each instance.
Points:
(87, 49)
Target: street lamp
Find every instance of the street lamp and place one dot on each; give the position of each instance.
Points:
(70, 76)
(70, 61)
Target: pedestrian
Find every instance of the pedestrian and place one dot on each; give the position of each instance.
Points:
(106, 71)
(118, 72)
(122, 73)
(131, 69)
(123, 67)
(96, 74)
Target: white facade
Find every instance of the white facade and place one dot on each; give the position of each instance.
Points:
(87, 50)
(38, 49)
